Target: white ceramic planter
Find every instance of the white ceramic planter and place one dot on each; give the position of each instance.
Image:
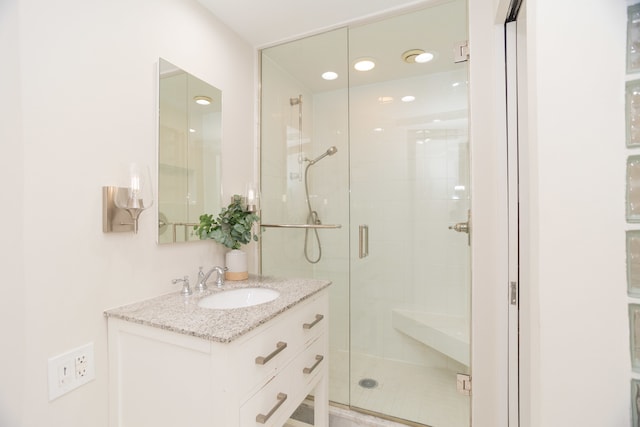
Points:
(236, 263)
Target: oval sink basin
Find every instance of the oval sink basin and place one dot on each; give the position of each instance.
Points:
(238, 298)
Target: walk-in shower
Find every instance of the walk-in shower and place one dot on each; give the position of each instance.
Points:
(381, 207)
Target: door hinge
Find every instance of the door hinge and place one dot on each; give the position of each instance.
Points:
(461, 51)
(463, 383)
(513, 299)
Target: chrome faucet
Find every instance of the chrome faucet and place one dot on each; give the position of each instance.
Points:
(203, 277)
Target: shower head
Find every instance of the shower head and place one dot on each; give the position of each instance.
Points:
(295, 101)
(330, 152)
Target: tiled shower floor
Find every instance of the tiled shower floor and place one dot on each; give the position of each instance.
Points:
(406, 391)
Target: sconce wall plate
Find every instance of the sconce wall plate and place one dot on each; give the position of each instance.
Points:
(114, 219)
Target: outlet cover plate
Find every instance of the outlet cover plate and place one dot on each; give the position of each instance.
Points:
(70, 370)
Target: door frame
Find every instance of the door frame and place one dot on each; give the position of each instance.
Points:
(513, 179)
(490, 287)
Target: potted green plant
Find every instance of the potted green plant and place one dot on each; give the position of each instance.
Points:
(232, 228)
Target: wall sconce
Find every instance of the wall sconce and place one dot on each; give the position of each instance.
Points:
(122, 205)
(252, 198)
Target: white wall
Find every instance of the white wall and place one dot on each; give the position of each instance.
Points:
(12, 303)
(577, 330)
(81, 83)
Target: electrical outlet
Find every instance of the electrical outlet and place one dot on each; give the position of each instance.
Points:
(81, 365)
(70, 370)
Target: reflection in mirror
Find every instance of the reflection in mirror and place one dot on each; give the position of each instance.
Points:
(189, 152)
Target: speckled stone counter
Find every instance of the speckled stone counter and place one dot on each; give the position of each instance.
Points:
(176, 313)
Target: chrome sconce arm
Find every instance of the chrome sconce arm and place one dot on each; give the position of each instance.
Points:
(122, 206)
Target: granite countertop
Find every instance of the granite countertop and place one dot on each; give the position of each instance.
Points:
(177, 313)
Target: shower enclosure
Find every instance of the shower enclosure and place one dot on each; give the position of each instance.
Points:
(365, 182)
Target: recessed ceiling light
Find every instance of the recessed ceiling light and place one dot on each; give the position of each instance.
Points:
(377, 129)
(385, 99)
(364, 64)
(417, 56)
(424, 57)
(192, 130)
(408, 98)
(202, 100)
(329, 75)
(456, 84)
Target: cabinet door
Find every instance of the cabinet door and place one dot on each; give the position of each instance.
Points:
(156, 382)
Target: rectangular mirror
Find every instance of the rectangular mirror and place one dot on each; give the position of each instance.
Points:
(189, 152)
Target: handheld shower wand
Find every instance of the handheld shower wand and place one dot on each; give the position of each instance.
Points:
(312, 217)
(330, 152)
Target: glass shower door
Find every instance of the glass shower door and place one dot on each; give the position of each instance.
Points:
(384, 154)
(410, 278)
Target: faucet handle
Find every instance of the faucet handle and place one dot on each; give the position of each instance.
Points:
(220, 278)
(186, 290)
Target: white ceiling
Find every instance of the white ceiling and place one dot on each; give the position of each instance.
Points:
(267, 22)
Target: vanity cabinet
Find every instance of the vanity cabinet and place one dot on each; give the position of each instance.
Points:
(160, 377)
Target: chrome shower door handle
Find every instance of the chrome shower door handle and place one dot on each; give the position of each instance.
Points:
(464, 227)
(461, 227)
(363, 241)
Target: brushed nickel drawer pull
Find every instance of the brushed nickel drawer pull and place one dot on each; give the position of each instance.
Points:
(319, 317)
(261, 418)
(315, 365)
(261, 360)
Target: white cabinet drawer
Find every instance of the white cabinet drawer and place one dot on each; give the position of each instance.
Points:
(309, 323)
(311, 362)
(273, 404)
(262, 355)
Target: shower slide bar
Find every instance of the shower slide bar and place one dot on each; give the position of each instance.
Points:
(327, 226)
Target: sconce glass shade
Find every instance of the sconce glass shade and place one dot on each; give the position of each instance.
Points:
(252, 197)
(135, 193)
